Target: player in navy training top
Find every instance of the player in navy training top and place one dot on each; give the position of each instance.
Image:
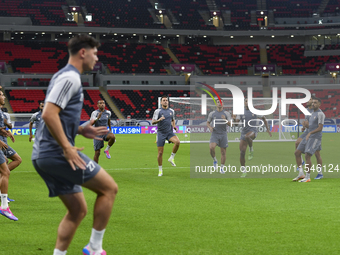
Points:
(102, 118)
(164, 117)
(36, 117)
(248, 134)
(60, 164)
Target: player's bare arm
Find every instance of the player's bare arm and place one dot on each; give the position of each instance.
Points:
(96, 119)
(173, 123)
(267, 127)
(3, 145)
(30, 128)
(159, 120)
(319, 129)
(109, 123)
(92, 132)
(210, 127)
(9, 125)
(3, 132)
(10, 135)
(228, 122)
(52, 120)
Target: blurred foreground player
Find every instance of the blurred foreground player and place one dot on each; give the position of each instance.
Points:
(59, 162)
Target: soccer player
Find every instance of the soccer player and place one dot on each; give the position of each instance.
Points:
(164, 117)
(298, 141)
(9, 152)
(219, 135)
(36, 117)
(248, 134)
(60, 164)
(4, 171)
(102, 118)
(312, 142)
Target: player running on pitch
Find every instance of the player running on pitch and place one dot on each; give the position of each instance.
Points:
(312, 142)
(164, 117)
(219, 135)
(102, 118)
(248, 134)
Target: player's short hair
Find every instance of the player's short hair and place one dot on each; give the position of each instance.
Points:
(100, 100)
(4, 109)
(82, 41)
(165, 96)
(316, 98)
(41, 102)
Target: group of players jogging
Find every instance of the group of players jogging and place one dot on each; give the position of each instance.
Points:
(66, 170)
(308, 143)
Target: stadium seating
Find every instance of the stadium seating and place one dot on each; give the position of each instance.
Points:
(187, 14)
(41, 12)
(25, 101)
(291, 58)
(134, 58)
(129, 14)
(140, 104)
(34, 57)
(332, 8)
(240, 13)
(231, 59)
(91, 98)
(49, 57)
(287, 8)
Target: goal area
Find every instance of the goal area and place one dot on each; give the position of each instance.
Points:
(193, 123)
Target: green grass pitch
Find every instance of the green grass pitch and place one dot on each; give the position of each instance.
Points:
(176, 214)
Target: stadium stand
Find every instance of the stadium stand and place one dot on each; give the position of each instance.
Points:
(291, 58)
(49, 57)
(34, 57)
(25, 101)
(45, 13)
(134, 58)
(286, 8)
(187, 13)
(230, 59)
(91, 98)
(141, 104)
(128, 14)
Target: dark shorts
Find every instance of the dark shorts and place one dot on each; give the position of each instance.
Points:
(60, 178)
(243, 135)
(162, 137)
(98, 144)
(220, 139)
(9, 152)
(310, 146)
